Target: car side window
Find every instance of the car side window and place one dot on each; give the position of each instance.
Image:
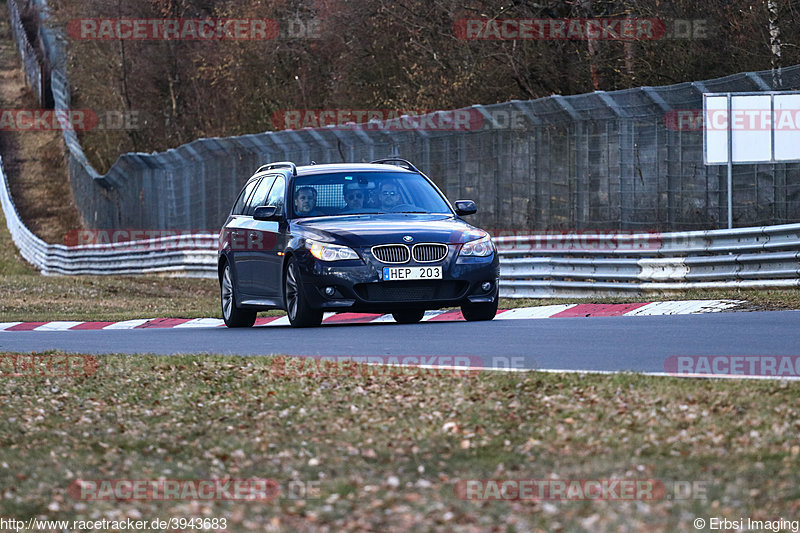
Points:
(277, 193)
(241, 202)
(260, 195)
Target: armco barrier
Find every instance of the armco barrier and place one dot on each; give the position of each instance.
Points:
(537, 266)
(151, 256)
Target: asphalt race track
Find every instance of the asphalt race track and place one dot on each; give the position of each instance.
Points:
(622, 343)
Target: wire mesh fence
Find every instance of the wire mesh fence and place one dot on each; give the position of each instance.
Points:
(31, 62)
(623, 160)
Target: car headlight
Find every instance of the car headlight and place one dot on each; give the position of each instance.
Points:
(478, 248)
(330, 252)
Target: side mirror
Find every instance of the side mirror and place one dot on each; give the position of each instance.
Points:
(465, 207)
(266, 212)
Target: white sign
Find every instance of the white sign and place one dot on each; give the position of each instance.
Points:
(787, 126)
(751, 128)
(740, 128)
(715, 130)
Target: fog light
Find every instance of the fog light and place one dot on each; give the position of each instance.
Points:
(330, 291)
(486, 286)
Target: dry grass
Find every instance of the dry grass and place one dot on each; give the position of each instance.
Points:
(387, 449)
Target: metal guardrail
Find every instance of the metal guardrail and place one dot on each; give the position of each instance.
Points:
(166, 255)
(542, 266)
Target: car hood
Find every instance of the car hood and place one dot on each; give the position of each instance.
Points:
(358, 231)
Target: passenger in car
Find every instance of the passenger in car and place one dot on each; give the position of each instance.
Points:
(354, 197)
(372, 201)
(305, 202)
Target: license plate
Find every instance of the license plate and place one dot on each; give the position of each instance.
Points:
(401, 273)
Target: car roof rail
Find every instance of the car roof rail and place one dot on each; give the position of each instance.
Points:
(397, 162)
(279, 164)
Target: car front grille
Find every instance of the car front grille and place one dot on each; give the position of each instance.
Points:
(429, 252)
(411, 291)
(391, 253)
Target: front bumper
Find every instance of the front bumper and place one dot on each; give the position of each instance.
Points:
(358, 284)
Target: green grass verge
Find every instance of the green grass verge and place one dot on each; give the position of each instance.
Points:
(29, 296)
(386, 450)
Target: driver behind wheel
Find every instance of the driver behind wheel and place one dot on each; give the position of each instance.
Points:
(390, 195)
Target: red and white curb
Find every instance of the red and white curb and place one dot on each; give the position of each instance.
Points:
(680, 307)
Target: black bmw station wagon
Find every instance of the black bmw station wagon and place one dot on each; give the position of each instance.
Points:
(366, 237)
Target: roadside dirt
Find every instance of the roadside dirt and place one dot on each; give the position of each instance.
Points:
(34, 161)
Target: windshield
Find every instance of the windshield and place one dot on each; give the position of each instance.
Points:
(359, 193)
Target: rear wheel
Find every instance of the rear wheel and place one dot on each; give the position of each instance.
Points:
(480, 311)
(408, 316)
(301, 315)
(232, 315)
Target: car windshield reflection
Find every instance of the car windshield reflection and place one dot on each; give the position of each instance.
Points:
(365, 193)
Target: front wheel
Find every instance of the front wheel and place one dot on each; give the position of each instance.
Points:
(480, 311)
(408, 316)
(232, 315)
(301, 315)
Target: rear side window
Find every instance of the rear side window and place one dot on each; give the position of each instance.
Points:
(238, 207)
(277, 193)
(260, 195)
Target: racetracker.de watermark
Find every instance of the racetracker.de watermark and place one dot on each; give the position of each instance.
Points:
(379, 119)
(739, 120)
(733, 365)
(157, 239)
(519, 240)
(67, 119)
(191, 29)
(577, 29)
(615, 29)
(576, 240)
(46, 365)
(248, 490)
(560, 489)
(391, 365)
(471, 119)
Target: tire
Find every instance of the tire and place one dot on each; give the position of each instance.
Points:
(411, 316)
(301, 315)
(233, 316)
(478, 312)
